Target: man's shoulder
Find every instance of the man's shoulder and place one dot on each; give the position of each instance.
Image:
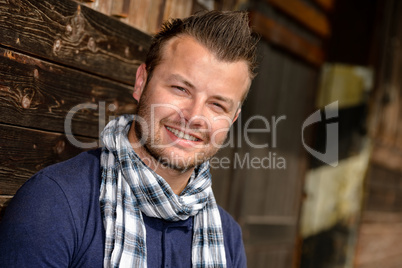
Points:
(85, 163)
(81, 171)
(58, 212)
(78, 178)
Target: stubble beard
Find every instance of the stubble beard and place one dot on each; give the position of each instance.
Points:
(153, 144)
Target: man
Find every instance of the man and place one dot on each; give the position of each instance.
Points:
(145, 199)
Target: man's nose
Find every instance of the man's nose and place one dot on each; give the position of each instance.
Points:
(194, 114)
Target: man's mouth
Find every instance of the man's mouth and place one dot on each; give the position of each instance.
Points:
(182, 135)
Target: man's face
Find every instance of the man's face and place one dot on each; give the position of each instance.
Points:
(189, 104)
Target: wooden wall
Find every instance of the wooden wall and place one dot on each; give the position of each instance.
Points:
(266, 200)
(144, 15)
(333, 204)
(381, 225)
(55, 55)
(148, 15)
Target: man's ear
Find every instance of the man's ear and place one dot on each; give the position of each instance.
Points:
(140, 81)
(236, 115)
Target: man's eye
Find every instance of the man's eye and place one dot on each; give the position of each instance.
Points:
(180, 88)
(219, 106)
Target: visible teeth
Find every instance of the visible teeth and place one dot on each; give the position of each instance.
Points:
(181, 134)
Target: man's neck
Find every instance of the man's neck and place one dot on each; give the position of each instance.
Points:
(176, 179)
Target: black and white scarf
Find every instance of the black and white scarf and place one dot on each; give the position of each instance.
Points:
(129, 187)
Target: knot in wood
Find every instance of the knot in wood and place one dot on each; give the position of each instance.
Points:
(59, 147)
(69, 29)
(57, 46)
(112, 107)
(26, 102)
(91, 44)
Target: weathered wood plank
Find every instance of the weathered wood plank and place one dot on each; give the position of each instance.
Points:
(304, 14)
(275, 255)
(327, 5)
(102, 6)
(270, 197)
(384, 188)
(40, 95)
(177, 9)
(26, 151)
(146, 15)
(4, 200)
(280, 36)
(73, 35)
(379, 235)
(120, 8)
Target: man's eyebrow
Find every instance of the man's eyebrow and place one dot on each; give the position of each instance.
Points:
(181, 79)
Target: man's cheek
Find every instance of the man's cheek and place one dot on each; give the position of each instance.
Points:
(165, 111)
(222, 126)
(219, 136)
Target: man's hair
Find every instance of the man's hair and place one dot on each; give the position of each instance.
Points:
(225, 33)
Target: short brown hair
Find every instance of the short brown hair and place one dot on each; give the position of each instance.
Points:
(225, 33)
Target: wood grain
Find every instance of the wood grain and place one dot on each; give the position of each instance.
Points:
(280, 36)
(177, 9)
(4, 201)
(26, 151)
(120, 8)
(146, 15)
(266, 201)
(327, 5)
(73, 35)
(379, 243)
(387, 156)
(40, 95)
(304, 14)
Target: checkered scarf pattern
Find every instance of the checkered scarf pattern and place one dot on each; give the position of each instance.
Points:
(129, 187)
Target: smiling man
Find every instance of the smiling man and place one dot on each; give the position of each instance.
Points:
(145, 198)
(195, 98)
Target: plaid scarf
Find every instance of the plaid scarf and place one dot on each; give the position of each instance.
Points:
(129, 188)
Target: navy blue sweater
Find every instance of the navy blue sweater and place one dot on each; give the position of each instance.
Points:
(54, 220)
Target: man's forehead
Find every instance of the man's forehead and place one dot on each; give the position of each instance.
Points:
(176, 44)
(184, 41)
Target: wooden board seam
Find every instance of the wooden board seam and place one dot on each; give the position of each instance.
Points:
(61, 64)
(278, 35)
(309, 17)
(74, 35)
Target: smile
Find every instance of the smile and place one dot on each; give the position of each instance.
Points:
(182, 135)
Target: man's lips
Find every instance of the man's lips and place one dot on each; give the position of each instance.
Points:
(184, 134)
